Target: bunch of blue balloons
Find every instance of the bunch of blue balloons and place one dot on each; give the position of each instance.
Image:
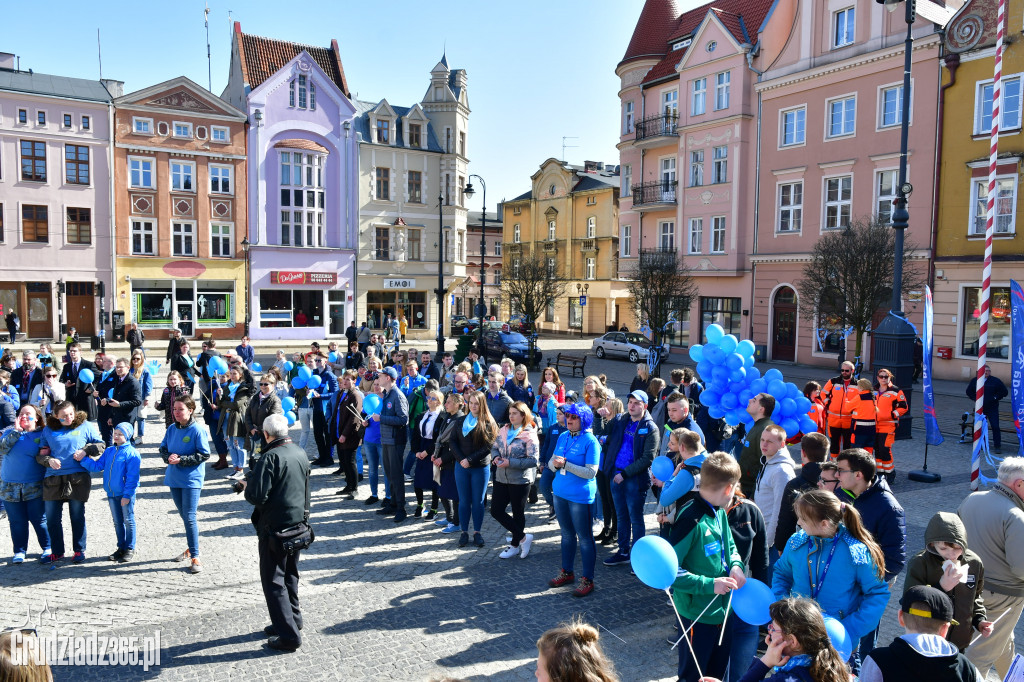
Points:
(306, 379)
(726, 365)
(288, 405)
(216, 365)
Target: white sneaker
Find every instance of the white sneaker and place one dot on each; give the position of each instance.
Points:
(524, 546)
(509, 552)
(19, 558)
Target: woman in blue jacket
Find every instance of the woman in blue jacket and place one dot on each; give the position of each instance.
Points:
(575, 462)
(834, 561)
(185, 449)
(141, 374)
(120, 464)
(67, 432)
(21, 481)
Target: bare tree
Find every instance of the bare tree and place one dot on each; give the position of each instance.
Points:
(849, 278)
(528, 284)
(660, 284)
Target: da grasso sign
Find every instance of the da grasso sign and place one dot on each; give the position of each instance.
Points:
(292, 277)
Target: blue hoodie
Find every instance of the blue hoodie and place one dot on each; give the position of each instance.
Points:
(65, 442)
(192, 445)
(120, 465)
(581, 449)
(19, 463)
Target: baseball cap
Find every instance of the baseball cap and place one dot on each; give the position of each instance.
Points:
(939, 606)
(391, 372)
(640, 396)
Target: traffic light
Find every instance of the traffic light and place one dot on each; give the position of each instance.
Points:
(100, 289)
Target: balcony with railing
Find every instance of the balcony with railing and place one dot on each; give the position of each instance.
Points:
(589, 245)
(660, 256)
(652, 196)
(655, 130)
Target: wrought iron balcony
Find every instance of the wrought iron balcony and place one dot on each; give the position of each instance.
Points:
(654, 195)
(660, 125)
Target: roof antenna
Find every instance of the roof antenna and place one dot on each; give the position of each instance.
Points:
(209, 65)
(564, 145)
(99, 52)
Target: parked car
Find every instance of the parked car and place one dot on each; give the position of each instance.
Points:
(520, 323)
(635, 347)
(499, 343)
(458, 323)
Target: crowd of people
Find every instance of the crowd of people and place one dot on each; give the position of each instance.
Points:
(827, 535)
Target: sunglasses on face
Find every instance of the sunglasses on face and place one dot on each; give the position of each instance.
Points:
(262, 384)
(51, 376)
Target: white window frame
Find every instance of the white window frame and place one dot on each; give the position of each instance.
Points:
(216, 130)
(140, 122)
(497, 248)
(848, 111)
(152, 172)
(793, 209)
(848, 17)
(720, 164)
(591, 227)
(837, 204)
(670, 103)
(191, 165)
(627, 241)
(515, 267)
(722, 83)
(516, 234)
(882, 90)
(801, 109)
(627, 180)
(980, 129)
(552, 230)
(888, 198)
(181, 136)
(976, 218)
(627, 118)
(187, 229)
(696, 175)
(230, 178)
(698, 96)
(718, 234)
(667, 228)
(229, 239)
(146, 226)
(695, 236)
(591, 268)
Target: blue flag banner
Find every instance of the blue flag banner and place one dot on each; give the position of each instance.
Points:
(1017, 366)
(931, 425)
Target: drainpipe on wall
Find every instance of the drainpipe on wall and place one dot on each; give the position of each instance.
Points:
(952, 62)
(113, 218)
(749, 53)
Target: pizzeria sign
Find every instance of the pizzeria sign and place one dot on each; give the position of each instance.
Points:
(299, 277)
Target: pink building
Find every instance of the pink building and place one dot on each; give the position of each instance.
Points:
(831, 108)
(688, 147)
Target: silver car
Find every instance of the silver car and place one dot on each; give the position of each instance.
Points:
(629, 345)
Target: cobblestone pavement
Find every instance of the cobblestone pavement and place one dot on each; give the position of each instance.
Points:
(380, 601)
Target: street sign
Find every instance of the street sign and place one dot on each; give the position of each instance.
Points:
(453, 299)
(583, 300)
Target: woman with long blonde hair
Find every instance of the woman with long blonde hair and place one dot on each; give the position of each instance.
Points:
(471, 444)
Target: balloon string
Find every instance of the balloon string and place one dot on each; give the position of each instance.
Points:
(727, 605)
(668, 591)
(976, 637)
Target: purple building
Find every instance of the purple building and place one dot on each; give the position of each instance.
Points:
(303, 164)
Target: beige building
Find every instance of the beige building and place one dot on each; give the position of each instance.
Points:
(570, 216)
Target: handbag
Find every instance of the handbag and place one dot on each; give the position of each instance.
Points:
(294, 538)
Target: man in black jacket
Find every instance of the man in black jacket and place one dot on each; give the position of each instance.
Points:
(429, 368)
(77, 391)
(354, 359)
(174, 344)
(995, 390)
(394, 422)
(351, 333)
(135, 337)
(277, 485)
(183, 364)
(125, 396)
(26, 377)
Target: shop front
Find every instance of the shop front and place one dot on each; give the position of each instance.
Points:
(306, 303)
(414, 297)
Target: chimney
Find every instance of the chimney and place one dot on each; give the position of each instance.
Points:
(7, 61)
(591, 166)
(115, 88)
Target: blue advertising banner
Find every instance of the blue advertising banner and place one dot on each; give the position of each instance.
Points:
(931, 425)
(1017, 353)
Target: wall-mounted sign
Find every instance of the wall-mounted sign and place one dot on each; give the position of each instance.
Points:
(298, 277)
(399, 283)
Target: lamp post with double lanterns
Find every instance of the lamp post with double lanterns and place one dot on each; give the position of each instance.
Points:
(481, 308)
(248, 284)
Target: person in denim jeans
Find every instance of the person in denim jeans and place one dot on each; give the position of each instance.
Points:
(185, 449)
(632, 442)
(120, 464)
(21, 481)
(471, 444)
(575, 461)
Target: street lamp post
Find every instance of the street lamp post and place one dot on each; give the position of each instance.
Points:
(440, 275)
(894, 337)
(248, 284)
(581, 291)
(481, 308)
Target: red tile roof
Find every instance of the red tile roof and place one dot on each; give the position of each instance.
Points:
(657, 20)
(262, 57)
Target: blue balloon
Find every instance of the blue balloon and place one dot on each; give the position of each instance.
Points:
(746, 348)
(807, 425)
(704, 368)
(772, 374)
(729, 401)
(734, 361)
(257, 367)
(792, 391)
(752, 372)
(789, 407)
(736, 386)
(697, 353)
(289, 366)
(298, 383)
(744, 396)
(748, 362)
(305, 373)
(758, 386)
(728, 343)
(790, 426)
(720, 374)
(662, 468)
(290, 416)
(288, 403)
(314, 382)
(465, 330)
(714, 334)
(837, 634)
(750, 603)
(371, 404)
(777, 388)
(738, 375)
(332, 356)
(803, 405)
(738, 416)
(714, 354)
(716, 411)
(777, 413)
(86, 376)
(654, 561)
(710, 397)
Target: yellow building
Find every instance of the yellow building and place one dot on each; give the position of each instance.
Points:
(570, 217)
(965, 121)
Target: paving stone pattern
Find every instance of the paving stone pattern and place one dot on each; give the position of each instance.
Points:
(380, 601)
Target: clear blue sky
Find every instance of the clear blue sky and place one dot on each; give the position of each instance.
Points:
(538, 69)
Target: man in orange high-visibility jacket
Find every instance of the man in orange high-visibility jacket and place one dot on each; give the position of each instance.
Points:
(840, 395)
(892, 405)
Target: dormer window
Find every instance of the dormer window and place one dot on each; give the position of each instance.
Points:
(302, 93)
(415, 135)
(383, 131)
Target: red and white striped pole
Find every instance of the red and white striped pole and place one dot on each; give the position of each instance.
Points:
(986, 279)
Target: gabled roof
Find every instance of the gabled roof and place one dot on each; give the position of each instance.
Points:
(657, 20)
(262, 57)
(361, 124)
(54, 86)
(182, 94)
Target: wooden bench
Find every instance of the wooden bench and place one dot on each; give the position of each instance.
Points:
(565, 361)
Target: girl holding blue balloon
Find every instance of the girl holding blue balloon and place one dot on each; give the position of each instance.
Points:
(836, 562)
